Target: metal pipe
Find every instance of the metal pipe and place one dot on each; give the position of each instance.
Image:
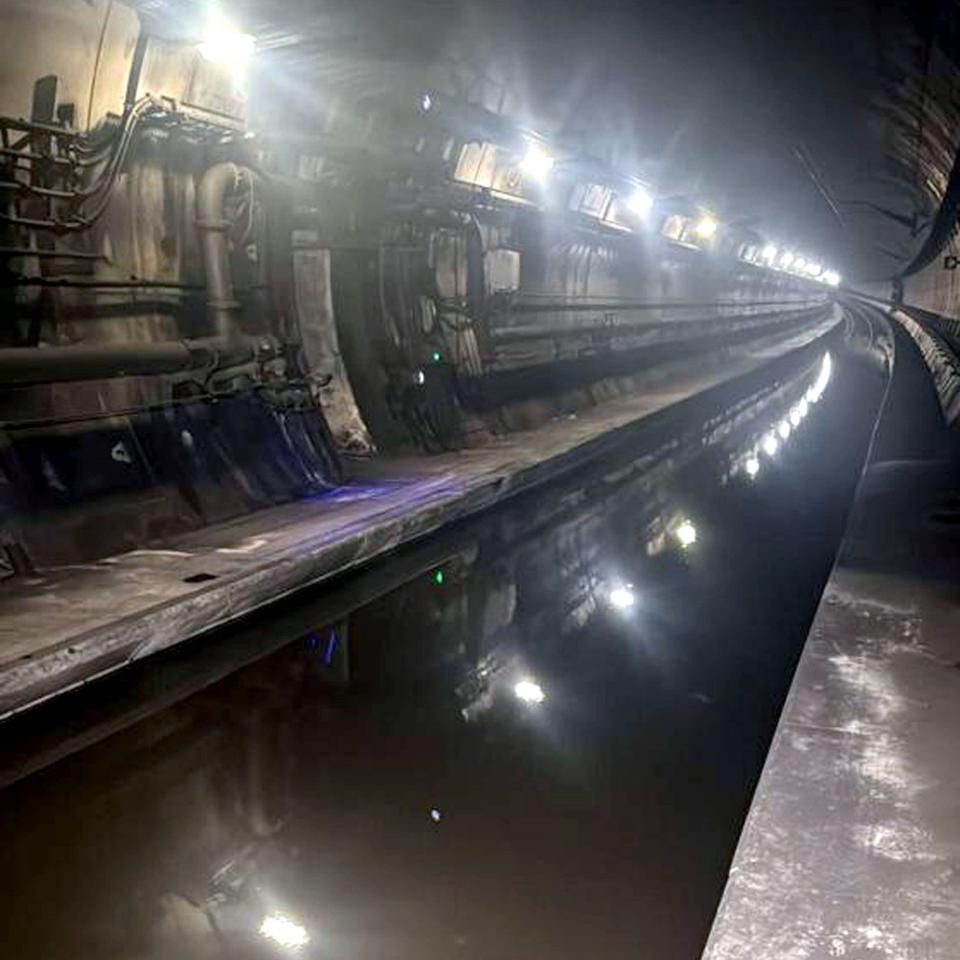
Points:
(50, 254)
(20, 366)
(216, 182)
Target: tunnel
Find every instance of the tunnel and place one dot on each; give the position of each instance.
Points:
(479, 480)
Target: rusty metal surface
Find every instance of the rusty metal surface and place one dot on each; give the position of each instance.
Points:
(72, 624)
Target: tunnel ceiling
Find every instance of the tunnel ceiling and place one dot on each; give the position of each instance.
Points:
(827, 126)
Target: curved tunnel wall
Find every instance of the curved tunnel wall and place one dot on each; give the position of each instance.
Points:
(360, 306)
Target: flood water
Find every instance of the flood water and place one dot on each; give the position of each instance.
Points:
(534, 737)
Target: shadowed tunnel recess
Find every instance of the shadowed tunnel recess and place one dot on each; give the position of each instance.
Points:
(535, 736)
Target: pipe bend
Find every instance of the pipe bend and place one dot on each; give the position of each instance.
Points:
(216, 183)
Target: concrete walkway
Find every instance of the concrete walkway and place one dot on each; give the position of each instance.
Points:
(75, 623)
(852, 845)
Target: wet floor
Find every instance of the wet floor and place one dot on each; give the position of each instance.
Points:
(534, 737)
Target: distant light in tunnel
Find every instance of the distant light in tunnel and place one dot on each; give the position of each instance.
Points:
(640, 202)
(786, 258)
(769, 253)
(435, 815)
(437, 577)
(795, 416)
(227, 46)
(622, 597)
(799, 264)
(536, 162)
(832, 278)
(814, 269)
(426, 103)
(435, 356)
(783, 428)
(804, 407)
(770, 445)
(706, 227)
(529, 691)
(686, 534)
(752, 466)
(419, 378)
(284, 931)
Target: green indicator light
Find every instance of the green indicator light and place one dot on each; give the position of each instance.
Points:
(435, 356)
(437, 577)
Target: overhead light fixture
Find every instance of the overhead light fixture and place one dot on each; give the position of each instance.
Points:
(529, 691)
(799, 264)
(786, 259)
(769, 253)
(770, 445)
(622, 597)
(426, 103)
(795, 417)
(640, 202)
(686, 534)
(227, 46)
(537, 162)
(284, 931)
(814, 269)
(706, 226)
(752, 466)
(784, 429)
(832, 278)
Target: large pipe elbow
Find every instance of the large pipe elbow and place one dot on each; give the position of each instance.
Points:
(217, 182)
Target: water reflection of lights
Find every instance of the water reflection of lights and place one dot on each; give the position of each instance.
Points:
(771, 441)
(622, 597)
(284, 931)
(529, 691)
(686, 534)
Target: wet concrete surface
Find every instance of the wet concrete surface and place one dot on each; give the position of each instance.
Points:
(852, 847)
(534, 736)
(69, 624)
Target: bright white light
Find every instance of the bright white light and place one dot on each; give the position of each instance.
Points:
(622, 597)
(686, 533)
(640, 202)
(769, 253)
(786, 259)
(435, 815)
(419, 378)
(426, 103)
(803, 407)
(783, 428)
(795, 417)
(529, 691)
(536, 162)
(706, 227)
(752, 466)
(799, 264)
(227, 46)
(831, 277)
(770, 445)
(285, 932)
(823, 377)
(814, 269)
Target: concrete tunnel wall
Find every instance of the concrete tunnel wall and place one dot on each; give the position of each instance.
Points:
(95, 467)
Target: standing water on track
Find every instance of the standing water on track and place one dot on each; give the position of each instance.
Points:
(534, 737)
